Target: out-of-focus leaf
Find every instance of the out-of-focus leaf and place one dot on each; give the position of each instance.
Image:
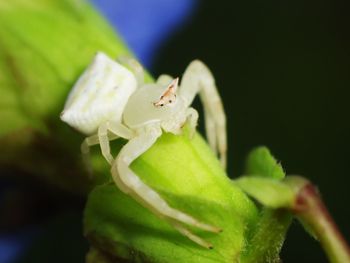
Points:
(44, 47)
(269, 192)
(260, 162)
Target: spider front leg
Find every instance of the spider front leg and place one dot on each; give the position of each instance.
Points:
(198, 79)
(192, 119)
(91, 141)
(103, 137)
(136, 188)
(134, 66)
(164, 79)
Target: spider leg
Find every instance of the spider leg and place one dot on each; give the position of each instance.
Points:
(198, 79)
(210, 131)
(136, 188)
(103, 137)
(120, 129)
(104, 142)
(191, 236)
(85, 148)
(164, 79)
(192, 119)
(134, 66)
(115, 128)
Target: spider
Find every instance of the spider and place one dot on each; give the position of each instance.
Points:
(109, 101)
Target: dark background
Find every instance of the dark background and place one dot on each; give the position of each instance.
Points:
(282, 68)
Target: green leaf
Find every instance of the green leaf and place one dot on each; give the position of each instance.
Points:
(260, 162)
(269, 192)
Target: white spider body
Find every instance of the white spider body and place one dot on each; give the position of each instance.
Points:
(140, 109)
(109, 101)
(99, 95)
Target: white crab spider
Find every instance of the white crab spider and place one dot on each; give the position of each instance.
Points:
(109, 101)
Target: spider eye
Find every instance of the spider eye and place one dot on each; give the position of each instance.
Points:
(162, 105)
(170, 101)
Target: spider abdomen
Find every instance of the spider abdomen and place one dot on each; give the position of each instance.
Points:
(99, 95)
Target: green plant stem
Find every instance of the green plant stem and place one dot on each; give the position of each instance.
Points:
(311, 210)
(300, 197)
(268, 236)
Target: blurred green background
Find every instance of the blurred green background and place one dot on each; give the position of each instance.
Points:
(282, 68)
